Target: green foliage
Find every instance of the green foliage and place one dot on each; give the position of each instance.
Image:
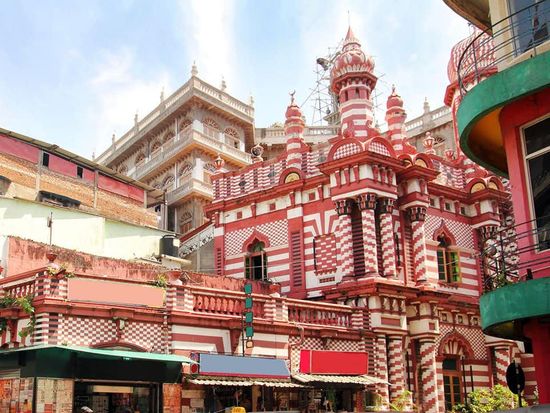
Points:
(25, 304)
(402, 402)
(161, 281)
(488, 400)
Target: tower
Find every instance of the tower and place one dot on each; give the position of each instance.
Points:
(353, 81)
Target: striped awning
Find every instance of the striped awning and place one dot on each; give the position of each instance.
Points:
(227, 381)
(322, 378)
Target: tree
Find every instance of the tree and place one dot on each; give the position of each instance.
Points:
(488, 400)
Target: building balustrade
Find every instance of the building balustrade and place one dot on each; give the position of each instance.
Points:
(180, 298)
(192, 134)
(187, 185)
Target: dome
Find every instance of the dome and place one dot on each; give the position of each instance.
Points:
(293, 112)
(394, 100)
(351, 60)
(484, 56)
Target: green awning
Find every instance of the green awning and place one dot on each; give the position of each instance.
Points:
(108, 353)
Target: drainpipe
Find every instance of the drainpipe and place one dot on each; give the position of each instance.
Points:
(299, 343)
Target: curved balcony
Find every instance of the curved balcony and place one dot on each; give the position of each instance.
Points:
(518, 48)
(516, 278)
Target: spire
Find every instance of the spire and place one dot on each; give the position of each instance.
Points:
(426, 105)
(194, 70)
(350, 39)
(223, 85)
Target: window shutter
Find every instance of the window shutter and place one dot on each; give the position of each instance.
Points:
(296, 259)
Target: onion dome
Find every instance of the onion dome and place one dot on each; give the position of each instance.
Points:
(352, 60)
(394, 100)
(479, 55)
(293, 112)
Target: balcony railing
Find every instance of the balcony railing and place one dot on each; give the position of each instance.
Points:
(512, 36)
(515, 253)
(185, 138)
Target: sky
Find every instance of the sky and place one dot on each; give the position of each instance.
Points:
(73, 73)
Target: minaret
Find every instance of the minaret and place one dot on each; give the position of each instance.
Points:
(395, 117)
(294, 131)
(353, 81)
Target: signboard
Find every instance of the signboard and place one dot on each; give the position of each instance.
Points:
(237, 366)
(333, 362)
(515, 378)
(112, 292)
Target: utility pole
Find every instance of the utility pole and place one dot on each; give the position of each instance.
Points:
(49, 223)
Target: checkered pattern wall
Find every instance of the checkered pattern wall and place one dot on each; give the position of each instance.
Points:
(276, 232)
(460, 231)
(346, 150)
(325, 253)
(93, 331)
(474, 336)
(377, 147)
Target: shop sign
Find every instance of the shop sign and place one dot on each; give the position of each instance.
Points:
(333, 362)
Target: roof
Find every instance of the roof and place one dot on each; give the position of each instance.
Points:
(108, 354)
(56, 150)
(230, 381)
(321, 378)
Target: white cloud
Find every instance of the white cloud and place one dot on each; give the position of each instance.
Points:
(209, 37)
(120, 93)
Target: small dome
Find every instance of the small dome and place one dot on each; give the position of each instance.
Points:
(483, 51)
(394, 100)
(351, 60)
(293, 112)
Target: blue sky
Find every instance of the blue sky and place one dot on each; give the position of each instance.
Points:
(73, 73)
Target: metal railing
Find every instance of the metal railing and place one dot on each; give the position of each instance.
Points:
(512, 36)
(513, 253)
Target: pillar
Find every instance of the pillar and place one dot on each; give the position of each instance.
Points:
(381, 360)
(417, 216)
(502, 360)
(367, 204)
(428, 385)
(344, 237)
(396, 367)
(387, 237)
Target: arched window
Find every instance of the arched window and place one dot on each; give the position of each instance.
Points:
(211, 128)
(448, 261)
(168, 137)
(256, 262)
(452, 385)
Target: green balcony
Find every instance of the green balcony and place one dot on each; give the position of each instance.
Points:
(504, 309)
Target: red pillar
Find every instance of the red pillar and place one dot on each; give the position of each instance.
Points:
(539, 333)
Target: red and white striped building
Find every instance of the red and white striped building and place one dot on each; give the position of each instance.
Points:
(369, 222)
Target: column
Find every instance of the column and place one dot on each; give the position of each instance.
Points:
(381, 360)
(502, 360)
(418, 240)
(428, 386)
(396, 367)
(344, 239)
(386, 237)
(367, 204)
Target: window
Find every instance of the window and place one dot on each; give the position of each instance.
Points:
(447, 206)
(45, 159)
(256, 262)
(530, 22)
(537, 150)
(448, 261)
(451, 383)
(79, 171)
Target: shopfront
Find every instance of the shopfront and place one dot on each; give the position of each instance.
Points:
(255, 383)
(62, 379)
(338, 380)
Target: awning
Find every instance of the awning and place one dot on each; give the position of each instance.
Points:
(321, 378)
(108, 354)
(211, 381)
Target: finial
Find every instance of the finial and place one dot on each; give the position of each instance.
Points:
(251, 100)
(93, 156)
(136, 118)
(349, 20)
(292, 96)
(224, 85)
(194, 71)
(393, 89)
(162, 95)
(113, 139)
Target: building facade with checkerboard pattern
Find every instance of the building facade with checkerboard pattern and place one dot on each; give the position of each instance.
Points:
(370, 222)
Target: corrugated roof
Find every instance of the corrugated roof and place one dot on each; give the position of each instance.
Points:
(228, 381)
(321, 378)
